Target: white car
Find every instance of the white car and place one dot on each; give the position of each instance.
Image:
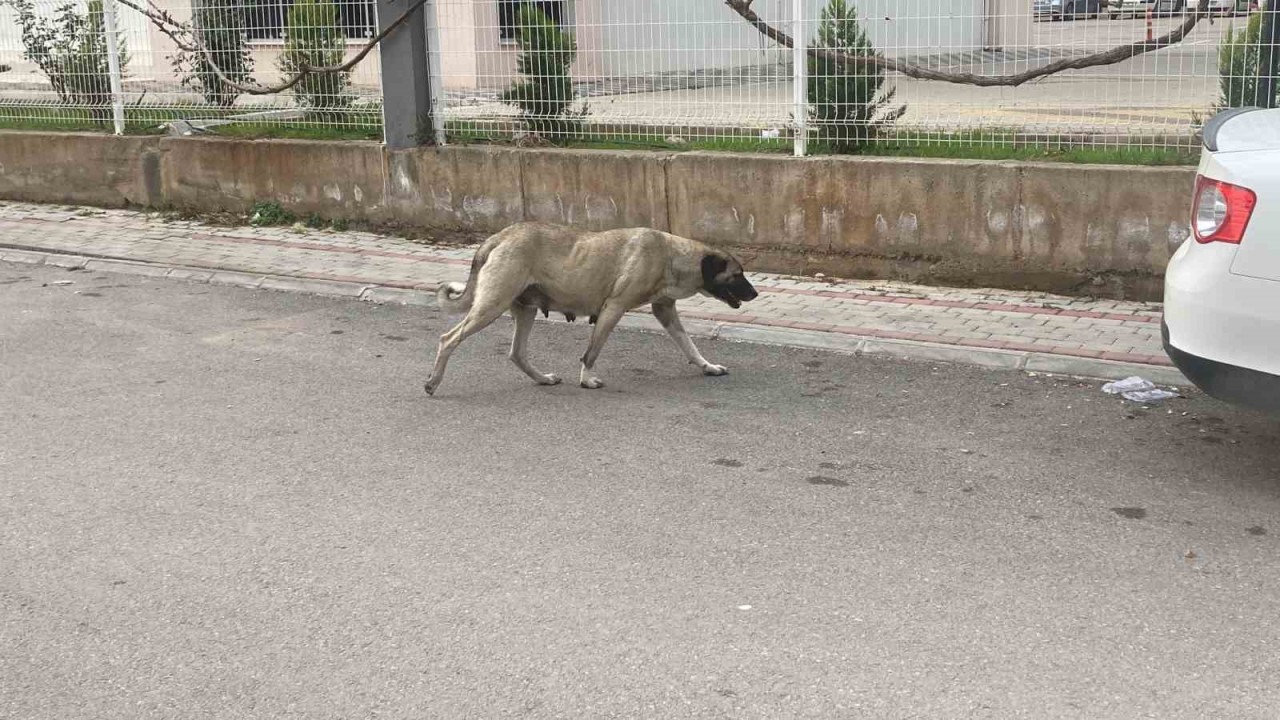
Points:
(1230, 7)
(1141, 7)
(1222, 287)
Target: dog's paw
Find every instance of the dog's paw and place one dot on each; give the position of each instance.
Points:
(593, 383)
(550, 379)
(714, 370)
(430, 387)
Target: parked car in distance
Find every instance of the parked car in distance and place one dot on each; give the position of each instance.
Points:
(1221, 320)
(1130, 8)
(1231, 7)
(1125, 8)
(1067, 9)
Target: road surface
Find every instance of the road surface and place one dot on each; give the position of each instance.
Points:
(228, 503)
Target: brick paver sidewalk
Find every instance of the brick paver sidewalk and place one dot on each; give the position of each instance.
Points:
(1007, 325)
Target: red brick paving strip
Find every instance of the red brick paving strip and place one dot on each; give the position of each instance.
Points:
(879, 310)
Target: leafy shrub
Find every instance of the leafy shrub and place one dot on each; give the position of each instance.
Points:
(848, 105)
(545, 94)
(1238, 59)
(270, 212)
(313, 39)
(220, 25)
(71, 51)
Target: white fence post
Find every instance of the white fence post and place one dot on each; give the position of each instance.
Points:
(799, 79)
(113, 64)
(435, 73)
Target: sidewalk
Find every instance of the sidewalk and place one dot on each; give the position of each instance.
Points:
(995, 328)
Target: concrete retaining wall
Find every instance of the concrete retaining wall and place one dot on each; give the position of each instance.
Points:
(1104, 230)
(80, 169)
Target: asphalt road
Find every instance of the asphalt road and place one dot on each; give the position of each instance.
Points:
(237, 504)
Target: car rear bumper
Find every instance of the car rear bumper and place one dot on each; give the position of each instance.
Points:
(1228, 383)
(1216, 315)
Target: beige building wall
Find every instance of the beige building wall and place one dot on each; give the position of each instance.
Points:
(1008, 24)
(614, 38)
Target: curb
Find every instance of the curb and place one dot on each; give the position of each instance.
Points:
(1035, 362)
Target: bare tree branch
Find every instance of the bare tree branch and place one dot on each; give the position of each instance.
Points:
(1109, 57)
(188, 39)
(177, 31)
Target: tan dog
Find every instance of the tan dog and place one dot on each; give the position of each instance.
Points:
(535, 266)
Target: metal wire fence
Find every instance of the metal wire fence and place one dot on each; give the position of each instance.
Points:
(665, 71)
(61, 70)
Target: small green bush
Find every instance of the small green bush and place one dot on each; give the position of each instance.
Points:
(848, 105)
(1238, 59)
(545, 94)
(313, 39)
(220, 25)
(270, 212)
(71, 51)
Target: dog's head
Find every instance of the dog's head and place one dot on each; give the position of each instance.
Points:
(722, 278)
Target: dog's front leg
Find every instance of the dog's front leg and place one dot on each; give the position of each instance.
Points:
(666, 314)
(605, 322)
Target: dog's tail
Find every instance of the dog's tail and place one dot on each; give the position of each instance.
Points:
(455, 298)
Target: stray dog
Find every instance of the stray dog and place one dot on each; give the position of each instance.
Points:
(536, 266)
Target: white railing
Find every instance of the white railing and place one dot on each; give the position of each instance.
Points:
(664, 72)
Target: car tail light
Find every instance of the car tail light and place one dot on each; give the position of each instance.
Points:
(1221, 211)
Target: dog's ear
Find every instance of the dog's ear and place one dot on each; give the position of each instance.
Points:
(712, 265)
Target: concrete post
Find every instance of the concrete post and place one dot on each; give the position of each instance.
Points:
(406, 84)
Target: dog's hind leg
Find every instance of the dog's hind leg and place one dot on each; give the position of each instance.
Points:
(478, 318)
(605, 322)
(670, 319)
(524, 316)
